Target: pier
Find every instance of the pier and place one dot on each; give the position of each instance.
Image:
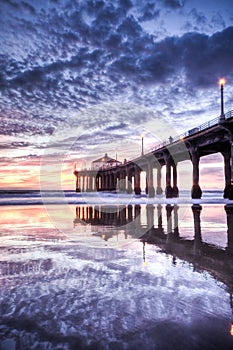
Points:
(214, 136)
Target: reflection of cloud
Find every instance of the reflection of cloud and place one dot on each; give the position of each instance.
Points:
(108, 52)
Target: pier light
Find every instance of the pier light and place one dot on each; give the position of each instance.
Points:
(222, 82)
(142, 136)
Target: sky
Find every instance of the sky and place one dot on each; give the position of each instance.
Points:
(82, 78)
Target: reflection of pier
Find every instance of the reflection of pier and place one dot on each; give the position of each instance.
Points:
(107, 215)
(204, 256)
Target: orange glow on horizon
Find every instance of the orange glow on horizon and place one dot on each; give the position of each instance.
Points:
(26, 175)
(29, 175)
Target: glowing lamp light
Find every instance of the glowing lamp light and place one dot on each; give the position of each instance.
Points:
(144, 263)
(222, 81)
(231, 329)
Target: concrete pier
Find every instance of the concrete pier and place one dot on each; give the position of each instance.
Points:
(214, 136)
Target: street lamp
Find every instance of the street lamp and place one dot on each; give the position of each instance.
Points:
(142, 136)
(222, 82)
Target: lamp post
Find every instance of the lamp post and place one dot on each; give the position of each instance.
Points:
(222, 82)
(142, 144)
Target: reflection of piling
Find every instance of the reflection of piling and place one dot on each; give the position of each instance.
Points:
(176, 221)
(229, 212)
(137, 210)
(96, 213)
(150, 216)
(130, 213)
(137, 220)
(122, 216)
(170, 237)
(160, 220)
(144, 253)
(197, 208)
(169, 209)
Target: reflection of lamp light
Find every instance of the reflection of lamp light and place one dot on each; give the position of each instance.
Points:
(144, 255)
(231, 329)
(231, 305)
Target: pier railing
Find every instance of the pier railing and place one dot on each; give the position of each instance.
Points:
(229, 114)
(202, 127)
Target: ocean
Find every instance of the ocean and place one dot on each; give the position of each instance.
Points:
(11, 197)
(113, 271)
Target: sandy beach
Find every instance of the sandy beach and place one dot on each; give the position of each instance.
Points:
(116, 277)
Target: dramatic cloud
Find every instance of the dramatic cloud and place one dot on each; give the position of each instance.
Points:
(174, 4)
(62, 61)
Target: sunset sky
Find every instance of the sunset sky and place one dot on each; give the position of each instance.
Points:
(81, 78)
